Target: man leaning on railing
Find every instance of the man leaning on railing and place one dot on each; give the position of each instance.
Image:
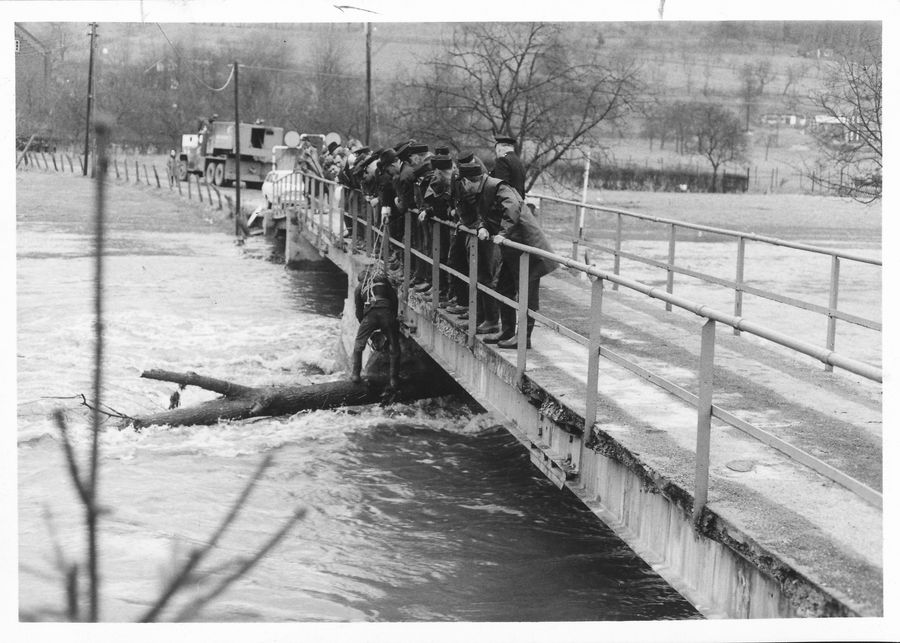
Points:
(502, 215)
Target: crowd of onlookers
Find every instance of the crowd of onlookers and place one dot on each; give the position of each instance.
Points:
(411, 180)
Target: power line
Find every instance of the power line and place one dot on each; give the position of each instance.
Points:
(199, 80)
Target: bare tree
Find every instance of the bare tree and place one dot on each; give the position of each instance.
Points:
(852, 98)
(754, 77)
(718, 135)
(524, 81)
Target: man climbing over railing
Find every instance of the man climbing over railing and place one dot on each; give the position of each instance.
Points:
(376, 310)
(502, 215)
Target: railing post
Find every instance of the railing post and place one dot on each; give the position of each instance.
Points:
(473, 289)
(407, 257)
(319, 212)
(617, 258)
(435, 263)
(331, 212)
(670, 273)
(576, 235)
(522, 316)
(739, 282)
(355, 206)
(370, 210)
(386, 241)
(593, 364)
(832, 306)
(704, 415)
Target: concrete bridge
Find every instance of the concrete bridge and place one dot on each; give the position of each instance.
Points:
(744, 465)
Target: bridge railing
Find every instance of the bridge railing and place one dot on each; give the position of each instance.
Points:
(355, 225)
(739, 284)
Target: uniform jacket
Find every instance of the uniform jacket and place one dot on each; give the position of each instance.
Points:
(377, 294)
(404, 187)
(509, 168)
(502, 211)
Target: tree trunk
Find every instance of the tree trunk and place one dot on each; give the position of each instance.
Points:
(239, 402)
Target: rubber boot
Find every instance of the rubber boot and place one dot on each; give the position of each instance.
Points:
(357, 368)
(394, 379)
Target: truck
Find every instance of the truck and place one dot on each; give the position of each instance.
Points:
(211, 153)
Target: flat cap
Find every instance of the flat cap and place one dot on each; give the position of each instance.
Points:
(465, 157)
(416, 148)
(441, 162)
(422, 169)
(470, 170)
(506, 140)
(387, 157)
(442, 150)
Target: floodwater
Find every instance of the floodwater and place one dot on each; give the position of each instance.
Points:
(423, 512)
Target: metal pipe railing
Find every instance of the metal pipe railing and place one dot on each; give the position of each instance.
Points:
(703, 400)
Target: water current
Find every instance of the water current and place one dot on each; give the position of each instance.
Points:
(422, 512)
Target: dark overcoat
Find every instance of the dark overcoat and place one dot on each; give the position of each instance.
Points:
(509, 168)
(502, 211)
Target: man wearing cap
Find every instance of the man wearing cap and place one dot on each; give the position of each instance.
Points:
(349, 179)
(468, 208)
(508, 166)
(408, 155)
(502, 215)
(437, 203)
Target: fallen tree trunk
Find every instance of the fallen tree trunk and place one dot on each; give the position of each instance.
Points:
(240, 402)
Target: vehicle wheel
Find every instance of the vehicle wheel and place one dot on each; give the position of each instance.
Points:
(211, 173)
(182, 170)
(220, 174)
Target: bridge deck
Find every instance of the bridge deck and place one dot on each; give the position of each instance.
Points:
(822, 530)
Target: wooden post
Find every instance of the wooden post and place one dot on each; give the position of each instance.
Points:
(127, 178)
(71, 165)
(55, 168)
(146, 174)
(704, 416)
(137, 172)
(369, 232)
(189, 185)
(199, 191)
(208, 195)
(156, 175)
(355, 204)
(116, 166)
(617, 258)
(178, 183)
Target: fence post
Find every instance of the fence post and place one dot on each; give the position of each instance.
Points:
(704, 415)
(522, 316)
(320, 211)
(116, 166)
(435, 263)
(71, 166)
(55, 167)
(188, 182)
(208, 193)
(832, 306)
(739, 282)
(127, 178)
(137, 172)
(178, 183)
(670, 273)
(156, 175)
(473, 289)
(218, 196)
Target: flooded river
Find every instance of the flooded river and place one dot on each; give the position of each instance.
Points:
(423, 512)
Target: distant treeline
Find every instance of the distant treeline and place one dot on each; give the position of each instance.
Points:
(650, 179)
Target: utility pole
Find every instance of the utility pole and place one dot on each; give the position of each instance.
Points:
(368, 81)
(238, 228)
(90, 98)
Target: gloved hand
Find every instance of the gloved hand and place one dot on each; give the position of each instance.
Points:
(483, 234)
(385, 211)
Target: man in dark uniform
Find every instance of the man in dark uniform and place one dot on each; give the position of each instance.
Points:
(502, 215)
(376, 309)
(508, 166)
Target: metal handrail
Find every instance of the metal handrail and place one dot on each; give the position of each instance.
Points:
(728, 232)
(703, 400)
